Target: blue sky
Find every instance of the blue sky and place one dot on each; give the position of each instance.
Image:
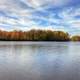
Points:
(40, 14)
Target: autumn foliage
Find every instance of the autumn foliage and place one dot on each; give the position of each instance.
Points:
(34, 35)
(75, 38)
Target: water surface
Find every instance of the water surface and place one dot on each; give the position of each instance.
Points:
(39, 61)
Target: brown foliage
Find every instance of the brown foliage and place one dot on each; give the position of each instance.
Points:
(75, 38)
(34, 35)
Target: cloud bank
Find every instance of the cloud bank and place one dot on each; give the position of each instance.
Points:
(40, 14)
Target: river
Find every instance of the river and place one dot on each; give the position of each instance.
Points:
(39, 61)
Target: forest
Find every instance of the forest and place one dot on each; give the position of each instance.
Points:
(36, 35)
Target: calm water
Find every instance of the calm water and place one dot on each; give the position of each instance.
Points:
(39, 61)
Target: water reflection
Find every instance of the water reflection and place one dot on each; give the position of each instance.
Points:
(40, 61)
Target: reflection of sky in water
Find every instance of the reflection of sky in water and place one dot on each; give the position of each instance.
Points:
(40, 61)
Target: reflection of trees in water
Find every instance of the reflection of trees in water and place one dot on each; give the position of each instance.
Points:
(52, 61)
(34, 49)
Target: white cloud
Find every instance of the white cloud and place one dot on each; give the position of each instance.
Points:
(38, 3)
(75, 24)
(25, 16)
(32, 3)
(68, 16)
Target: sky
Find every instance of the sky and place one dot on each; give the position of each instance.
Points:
(40, 14)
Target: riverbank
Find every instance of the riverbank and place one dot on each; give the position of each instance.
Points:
(37, 35)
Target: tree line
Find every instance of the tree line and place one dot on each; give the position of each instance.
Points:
(36, 35)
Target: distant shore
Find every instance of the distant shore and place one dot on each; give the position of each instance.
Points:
(37, 36)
